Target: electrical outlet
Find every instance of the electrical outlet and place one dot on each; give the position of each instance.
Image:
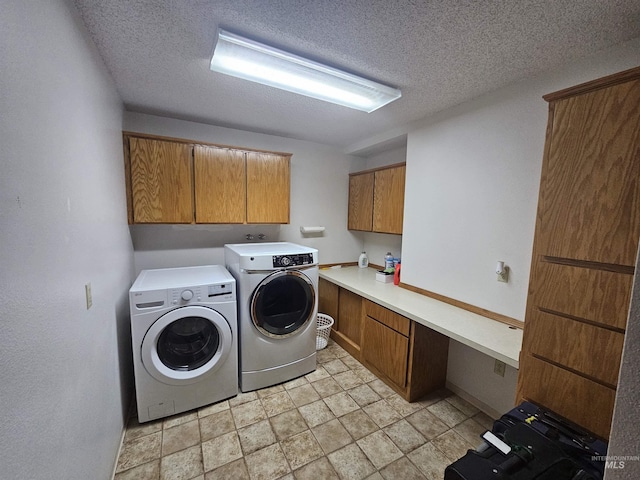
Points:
(499, 367)
(504, 276)
(87, 293)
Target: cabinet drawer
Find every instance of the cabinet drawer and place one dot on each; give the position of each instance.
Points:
(586, 348)
(597, 295)
(579, 399)
(386, 350)
(387, 317)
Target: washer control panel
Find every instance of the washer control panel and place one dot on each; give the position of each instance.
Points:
(292, 260)
(185, 295)
(200, 293)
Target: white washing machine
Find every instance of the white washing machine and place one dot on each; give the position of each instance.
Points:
(277, 307)
(185, 341)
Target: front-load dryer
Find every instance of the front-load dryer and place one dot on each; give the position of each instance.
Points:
(277, 307)
(185, 340)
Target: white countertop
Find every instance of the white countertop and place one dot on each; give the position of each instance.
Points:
(484, 334)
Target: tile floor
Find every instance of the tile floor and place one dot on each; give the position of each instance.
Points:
(339, 422)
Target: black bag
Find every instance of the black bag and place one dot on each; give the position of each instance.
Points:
(537, 445)
(582, 446)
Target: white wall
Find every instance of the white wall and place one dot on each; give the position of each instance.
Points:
(65, 371)
(473, 174)
(319, 196)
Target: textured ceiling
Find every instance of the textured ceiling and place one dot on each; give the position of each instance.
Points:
(439, 53)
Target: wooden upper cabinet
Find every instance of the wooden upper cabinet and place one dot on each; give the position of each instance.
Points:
(376, 200)
(268, 187)
(180, 181)
(589, 207)
(361, 202)
(388, 200)
(161, 181)
(220, 186)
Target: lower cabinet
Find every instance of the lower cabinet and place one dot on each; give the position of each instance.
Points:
(345, 307)
(410, 358)
(350, 322)
(386, 350)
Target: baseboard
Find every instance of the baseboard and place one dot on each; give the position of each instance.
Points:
(473, 400)
(129, 414)
(115, 464)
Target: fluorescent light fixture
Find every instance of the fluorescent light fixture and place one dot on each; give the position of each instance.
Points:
(256, 62)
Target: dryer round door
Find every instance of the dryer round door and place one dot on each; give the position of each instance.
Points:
(283, 304)
(186, 344)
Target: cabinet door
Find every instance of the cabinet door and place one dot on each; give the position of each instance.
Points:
(268, 186)
(581, 400)
(350, 316)
(591, 295)
(592, 351)
(161, 181)
(361, 202)
(328, 300)
(386, 350)
(388, 200)
(220, 185)
(590, 189)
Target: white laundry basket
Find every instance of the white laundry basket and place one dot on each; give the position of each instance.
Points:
(324, 329)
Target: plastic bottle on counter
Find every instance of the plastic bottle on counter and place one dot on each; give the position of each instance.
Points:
(363, 261)
(388, 262)
(396, 274)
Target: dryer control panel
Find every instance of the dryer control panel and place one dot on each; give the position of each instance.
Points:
(292, 260)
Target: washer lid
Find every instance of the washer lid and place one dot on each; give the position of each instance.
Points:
(186, 344)
(165, 278)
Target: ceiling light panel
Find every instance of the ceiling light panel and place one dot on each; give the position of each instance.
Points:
(256, 62)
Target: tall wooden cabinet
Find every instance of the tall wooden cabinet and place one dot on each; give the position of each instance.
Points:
(587, 232)
(179, 181)
(376, 200)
